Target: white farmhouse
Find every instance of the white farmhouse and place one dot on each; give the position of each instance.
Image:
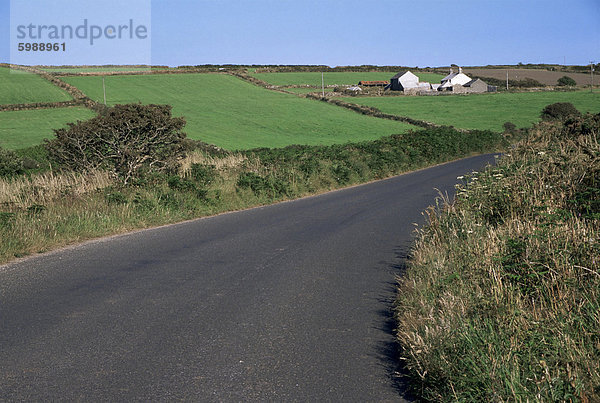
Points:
(453, 79)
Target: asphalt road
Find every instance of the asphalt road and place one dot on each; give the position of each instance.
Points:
(290, 302)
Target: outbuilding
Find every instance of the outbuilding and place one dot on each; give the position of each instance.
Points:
(373, 83)
(476, 85)
(403, 81)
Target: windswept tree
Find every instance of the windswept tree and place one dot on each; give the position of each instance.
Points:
(127, 139)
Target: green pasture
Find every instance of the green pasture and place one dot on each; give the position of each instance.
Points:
(480, 111)
(20, 129)
(335, 78)
(233, 114)
(76, 70)
(20, 87)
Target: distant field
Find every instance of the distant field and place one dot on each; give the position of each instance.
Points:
(543, 76)
(234, 114)
(482, 111)
(306, 90)
(76, 70)
(334, 78)
(19, 87)
(19, 129)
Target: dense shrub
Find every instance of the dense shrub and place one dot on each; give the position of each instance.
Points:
(269, 185)
(203, 174)
(566, 81)
(10, 164)
(559, 111)
(509, 127)
(127, 139)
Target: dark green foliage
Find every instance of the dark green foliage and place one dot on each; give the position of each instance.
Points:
(566, 81)
(6, 219)
(36, 209)
(269, 185)
(586, 202)
(385, 156)
(253, 181)
(142, 203)
(203, 174)
(10, 164)
(509, 127)
(341, 173)
(302, 168)
(169, 199)
(115, 197)
(518, 269)
(501, 84)
(527, 83)
(559, 111)
(35, 159)
(178, 183)
(128, 139)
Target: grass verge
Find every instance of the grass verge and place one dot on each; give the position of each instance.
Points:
(48, 210)
(500, 301)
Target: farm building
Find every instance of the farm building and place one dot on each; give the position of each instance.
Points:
(373, 83)
(453, 79)
(460, 83)
(476, 85)
(403, 81)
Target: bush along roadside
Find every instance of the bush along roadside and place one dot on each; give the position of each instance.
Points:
(49, 207)
(501, 299)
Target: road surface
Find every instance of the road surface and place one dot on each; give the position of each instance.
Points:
(290, 302)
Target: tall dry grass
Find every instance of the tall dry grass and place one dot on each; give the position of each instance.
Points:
(41, 189)
(221, 163)
(501, 301)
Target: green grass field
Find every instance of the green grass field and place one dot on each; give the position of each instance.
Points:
(19, 87)
(334, 78)
(76, 70)
(482, 111)
(234, 114)
(20, 129)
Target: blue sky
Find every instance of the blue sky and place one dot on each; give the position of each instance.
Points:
(349, 32)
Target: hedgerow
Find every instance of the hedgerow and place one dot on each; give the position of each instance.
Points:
(500, 301)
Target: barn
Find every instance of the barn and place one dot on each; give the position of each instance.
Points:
(476, 85)
(403, 81)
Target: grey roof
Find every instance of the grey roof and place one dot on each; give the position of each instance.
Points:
(398, 75)
(472, 82)
(450, 77)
